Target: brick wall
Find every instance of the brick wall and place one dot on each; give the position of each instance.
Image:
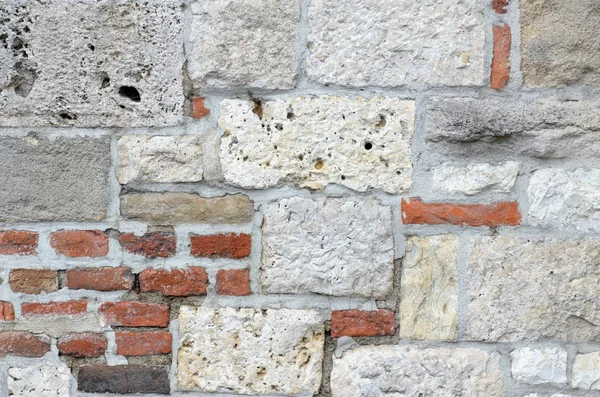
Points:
(300, 198)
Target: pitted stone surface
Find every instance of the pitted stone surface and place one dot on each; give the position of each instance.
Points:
(560, 44)
(250, 351)
(146, 158)
(539, 366)
(396, 42)
(559, 198)
(429, 288)
(412, 371)
(65, 67)
(529, 289)
(243, 43)
(314, 141)
(586, 371)
(478, 178)
(39, 381)
(62, 179)
(327, 246)
(544, 128)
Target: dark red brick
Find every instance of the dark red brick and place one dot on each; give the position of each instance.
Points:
(86, 344)
(151, 245)
(231, 245)
(100, 278)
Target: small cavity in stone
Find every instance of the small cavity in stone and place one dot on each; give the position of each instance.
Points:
(130, 92)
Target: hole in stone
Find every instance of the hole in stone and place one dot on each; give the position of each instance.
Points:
(279, 126)
(300, 157)
(257, 109)
(130, 92)
(290, 115)
(368, 145)
(382, 122)
(343, 177)
(319, 164)
(67, 116)
(17, 44)
(91, 47)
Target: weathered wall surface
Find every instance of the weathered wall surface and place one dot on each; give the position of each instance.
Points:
(300, 198)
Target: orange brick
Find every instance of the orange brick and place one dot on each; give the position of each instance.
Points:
(135, 314)
(7, 311)
(20, 242)
(362, 323)
(176, 282)
(79, 243)
(33, 281)
(231, 245)
(199, 110)
(100, 279)
(143, 343)
(501, 59)
(233, 282)
(58, 308)
(24, 344)
(86, 344)
(500, 6)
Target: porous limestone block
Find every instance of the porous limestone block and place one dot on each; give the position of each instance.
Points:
(250, 351)
(586, 371)
(539, 366)
(39, 381)
(472, 179)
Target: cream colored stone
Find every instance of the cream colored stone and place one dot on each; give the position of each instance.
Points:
(471, 179)
(539, 366)
(313, 141)
(586, 371)
(39, 381)
(250, 351)
(429, 288)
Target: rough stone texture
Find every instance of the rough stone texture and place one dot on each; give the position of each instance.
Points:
(33, 281)
(61, 66)
(539, 366)
(39, 380)
(544, 128)
(313, 141)
(394, 43)
(362, 323)
(100, 279)
(413, 371)
(85, 344)
(176, 282)
(429, 288)
(21, 242)
(529, 289)
(146, 158)
(72, 173)
(176, 208)
(151, 245)
(250, 351)
(472, 179)
(327, 246)
(23, 344)
(560, 198)
(79, 243)
(559, 43)
(243, 43)
(123, 379)
(586, 371)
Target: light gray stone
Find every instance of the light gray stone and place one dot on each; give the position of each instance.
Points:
(559, 43)
(247, 43)
(529, 289)
(586, 371)
(539, 366)
(429, 288)
(146, 158)
(544, 128)
(327, 246)
(39, 381)
(313, 141)
(560, 198)
(396, 42)
(412, 371)
(250, 351)
(62, 179)
(472, 179)
(83, 62)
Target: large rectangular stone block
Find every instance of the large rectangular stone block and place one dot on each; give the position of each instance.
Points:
(530, 289)
(62, 179)
(91, 63)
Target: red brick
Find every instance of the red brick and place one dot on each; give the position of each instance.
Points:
(199, 110)
(361, 323)
(496, 214)
(500, 6)
(23, 344)
(233, 282)
(33, 281)
(7, 311)
(143, 343)
(80, 243)
(231, 245)
(135, 314)
(20, 242)
(101, 279)
(86, 344)
(501, 58)
(57, 308)
(151, 245)
(176, 282)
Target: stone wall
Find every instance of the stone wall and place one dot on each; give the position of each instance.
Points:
(300, 198)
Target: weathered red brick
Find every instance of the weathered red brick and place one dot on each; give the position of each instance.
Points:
(496, 214)
(362, 323)
(33, 281)
(58, 308)
(85, 344)
(23, 344)
(233, 282)
(143, 343)
(135, 314)
(500, 6)
(101, 278)
(231, 245)
(501, 59)
(20, 242)
(80, 243)
(176, 282)
(199, 110)
(151, 245)
(7, 311)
